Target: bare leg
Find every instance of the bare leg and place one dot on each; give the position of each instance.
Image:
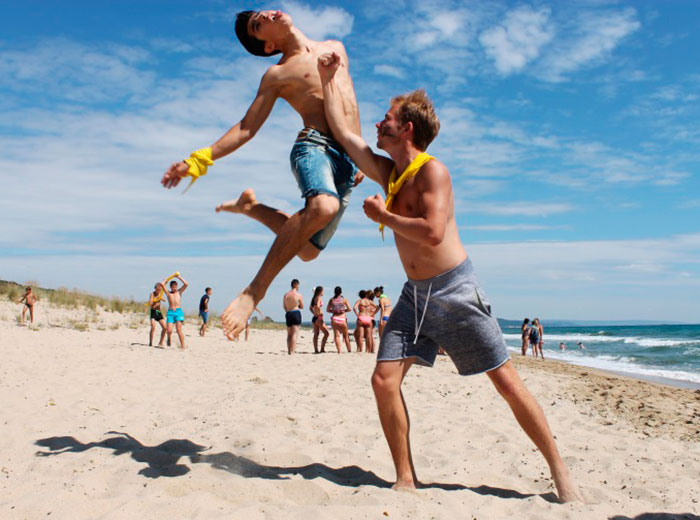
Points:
(247, 331)
(150, 334)
(169, 332)
(31, 314)
(357, 334)
(336, 334)
(178, 327)
(293, 236)
(346, 336)
(272, 218)
(393, 414)
(316, 339)
(324, 329)
(162, 333)
(532, 420)
(292, 339)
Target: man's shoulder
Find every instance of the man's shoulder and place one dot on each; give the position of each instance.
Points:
(434, 171)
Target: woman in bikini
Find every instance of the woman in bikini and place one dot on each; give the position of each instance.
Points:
(338, 306)
(363, 329)
(525, 334)
(317, 310)
(384, 306)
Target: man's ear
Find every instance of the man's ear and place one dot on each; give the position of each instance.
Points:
(269, 47)
(408, 127)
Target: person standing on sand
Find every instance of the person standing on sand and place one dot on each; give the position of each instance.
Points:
(540, 334)
(175, 315)
(204, 310)
(317, 320)
(324, 173)
(525, 335)
(442, 302)
(154, 300)
(338, 306)
(534, 336)
(384, 306)
(29, 299)
(363, 327)
(292, 303)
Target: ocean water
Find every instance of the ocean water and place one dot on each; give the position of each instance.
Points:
(646, 351)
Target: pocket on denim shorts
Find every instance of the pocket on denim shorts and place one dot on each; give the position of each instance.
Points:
(482, 303)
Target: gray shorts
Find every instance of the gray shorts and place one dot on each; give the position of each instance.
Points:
(457, 318)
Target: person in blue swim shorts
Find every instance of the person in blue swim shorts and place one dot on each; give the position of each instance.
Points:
(175, 315)
(442, 302)
(323, 171)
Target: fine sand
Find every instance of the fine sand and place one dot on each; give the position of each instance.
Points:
(95, 424)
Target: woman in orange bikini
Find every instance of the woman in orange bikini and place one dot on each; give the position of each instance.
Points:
(363, 329)
(338, 306)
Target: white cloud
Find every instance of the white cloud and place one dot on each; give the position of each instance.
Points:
(594, 35)
(518, 40)
(319, 23)
(526, 209)
(389, 70)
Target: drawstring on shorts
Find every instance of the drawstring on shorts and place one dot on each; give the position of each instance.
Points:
(417, 326)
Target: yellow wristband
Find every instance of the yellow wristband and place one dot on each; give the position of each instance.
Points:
(198, 162)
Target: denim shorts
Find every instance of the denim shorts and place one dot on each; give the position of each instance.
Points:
(321, 166)
(449, 311)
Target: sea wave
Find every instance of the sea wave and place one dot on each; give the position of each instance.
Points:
(596, 338)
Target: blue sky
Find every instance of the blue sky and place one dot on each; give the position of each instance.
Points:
(571, 130)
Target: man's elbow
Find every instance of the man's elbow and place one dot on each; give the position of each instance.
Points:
(434, 237)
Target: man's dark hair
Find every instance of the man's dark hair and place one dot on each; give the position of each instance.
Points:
(173, 282)
(251, 44)
(207, 289)
(295, 282)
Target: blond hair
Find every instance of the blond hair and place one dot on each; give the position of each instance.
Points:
(417, 108)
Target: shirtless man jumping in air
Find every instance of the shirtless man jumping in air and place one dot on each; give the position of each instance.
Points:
(324, 173)
(442, 302)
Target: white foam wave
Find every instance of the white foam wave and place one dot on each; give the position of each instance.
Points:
(620, 364)
(594, 338)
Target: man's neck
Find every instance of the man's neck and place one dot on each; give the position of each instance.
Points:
(294, 42)
(403, 155)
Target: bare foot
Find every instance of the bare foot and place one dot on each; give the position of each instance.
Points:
(404, 485)
(567, 491)
(235, 316)
(243, 204)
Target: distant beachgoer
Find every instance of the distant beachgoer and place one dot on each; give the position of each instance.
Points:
(338, 306)
(317, 320)
(525, 335)
(534, 337)
(292, 303)
(384, 307)
(363, 309)
(247, 325)
(373, 323)
(154, 300)
(540, 336)
(175, 315)
(204, 310)
(580, 345)
(562, 346)
(29, 299)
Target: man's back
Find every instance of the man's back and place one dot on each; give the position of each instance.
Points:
(290, 301)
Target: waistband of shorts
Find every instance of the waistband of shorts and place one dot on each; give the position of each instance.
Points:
(449, 277)
(308, 134)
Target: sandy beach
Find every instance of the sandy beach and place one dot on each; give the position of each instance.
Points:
(96, 424)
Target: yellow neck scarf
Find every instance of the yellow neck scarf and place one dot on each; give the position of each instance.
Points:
(395, 184)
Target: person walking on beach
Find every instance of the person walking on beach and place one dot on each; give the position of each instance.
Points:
(540, 334)
(525, 335)
(317, 320)
(442, 302)
(29, 299)
(154, 300)
(534, 337)
(384, 307)
(175, 315)
(204, 310)
(338, 306)
(292, 303)
(324, 173)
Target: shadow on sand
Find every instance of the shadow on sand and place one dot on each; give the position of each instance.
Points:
(163, 460)
(658, 516)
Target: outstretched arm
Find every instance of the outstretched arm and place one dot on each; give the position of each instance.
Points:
(238, 135)
(433, 203)
(376, 167)
(184, 284)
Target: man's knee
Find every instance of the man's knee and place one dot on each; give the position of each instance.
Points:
(506, 381)
(309, 252)
(383, 383)
(320, 209)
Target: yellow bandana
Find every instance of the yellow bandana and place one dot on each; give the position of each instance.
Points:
(198, 163)
(396, 184)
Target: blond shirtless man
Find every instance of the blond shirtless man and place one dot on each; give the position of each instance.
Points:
(175, 315)
(292, 303)
(442, 302)
(324, 173)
